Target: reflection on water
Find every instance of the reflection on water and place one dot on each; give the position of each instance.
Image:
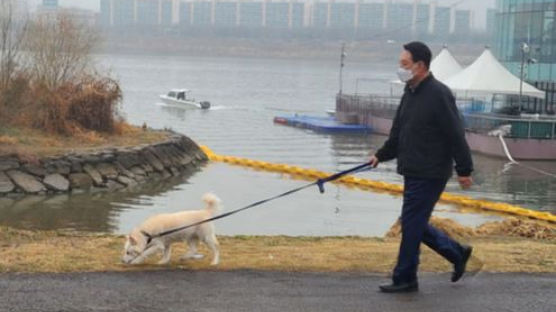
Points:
(339, 211)
(84, 212)
(245, 95)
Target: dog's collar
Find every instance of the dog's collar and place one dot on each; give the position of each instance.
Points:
(148, 236)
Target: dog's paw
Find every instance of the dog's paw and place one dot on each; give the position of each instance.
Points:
(213, 263)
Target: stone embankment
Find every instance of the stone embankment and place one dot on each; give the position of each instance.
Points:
(108, 169)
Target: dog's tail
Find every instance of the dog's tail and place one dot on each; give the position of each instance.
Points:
(212, 202)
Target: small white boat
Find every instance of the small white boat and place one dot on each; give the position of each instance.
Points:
(180, 97)
(331, 112)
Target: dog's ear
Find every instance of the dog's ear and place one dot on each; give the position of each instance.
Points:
(132, 240)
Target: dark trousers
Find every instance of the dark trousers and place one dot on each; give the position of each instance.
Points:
(419, 197)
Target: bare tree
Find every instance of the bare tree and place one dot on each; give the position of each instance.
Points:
(59, 48)
(13, 25)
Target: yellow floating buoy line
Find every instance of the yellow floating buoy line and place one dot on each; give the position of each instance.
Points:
(367, 184)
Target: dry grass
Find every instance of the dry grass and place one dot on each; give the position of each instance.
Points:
(510, 226)
(86, 103)
(26, 251)
(31, 143)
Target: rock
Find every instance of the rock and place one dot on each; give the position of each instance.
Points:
(93, 159)
(174, 171)
(58, 166)
(75, 164)
(107, 157)
(148, 169)
(175, 155)
(187, 144)
(152, 160)
(56, 182)
(36, 170)
(155, 176)
(128, 159)
(112, 185)
(138, 171)
(81, 181)
(8, 164)
(26, 182)
(6, 184)
(126, 181)
(94, 174)
(123, 170)
(166, 174)
(107, 170)
(158, 151)
(201, 156)
(187, 160)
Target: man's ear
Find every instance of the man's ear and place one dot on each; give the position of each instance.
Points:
(421, 66)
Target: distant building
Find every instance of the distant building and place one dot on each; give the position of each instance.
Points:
(462, 22)
(371, 16)
(491, 21)
(442, 21)
(342, 15)
(50, 3)
(319, 14)
(531, 22)
(399, 16)
(50, 8)
(406, 17)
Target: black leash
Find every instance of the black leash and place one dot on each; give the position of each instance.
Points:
(319, 183)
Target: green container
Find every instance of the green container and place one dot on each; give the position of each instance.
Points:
(541, 130)
(520, 129)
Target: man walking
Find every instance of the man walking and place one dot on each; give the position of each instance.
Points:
(427, 135)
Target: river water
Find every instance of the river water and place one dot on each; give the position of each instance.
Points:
(246, 93)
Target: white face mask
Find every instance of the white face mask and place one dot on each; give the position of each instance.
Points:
(405, 75)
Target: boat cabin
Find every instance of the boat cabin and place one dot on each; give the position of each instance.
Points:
(178, 94)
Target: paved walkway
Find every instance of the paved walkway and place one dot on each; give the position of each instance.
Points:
(270, 291)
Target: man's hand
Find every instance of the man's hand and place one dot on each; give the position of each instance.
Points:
(465, 182)
(374, 161)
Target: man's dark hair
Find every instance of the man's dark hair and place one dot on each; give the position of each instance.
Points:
(419, 52)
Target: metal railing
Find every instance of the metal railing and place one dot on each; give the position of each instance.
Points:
(523, 128)
(475, 119)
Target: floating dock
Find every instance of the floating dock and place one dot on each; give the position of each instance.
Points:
(321, 124)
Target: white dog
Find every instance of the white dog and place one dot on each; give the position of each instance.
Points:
(136, 248)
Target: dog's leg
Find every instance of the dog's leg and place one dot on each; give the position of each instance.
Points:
(191, 250)
(213, 245)
(146, 253)
(167, 253)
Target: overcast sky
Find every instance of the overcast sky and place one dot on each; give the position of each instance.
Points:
(478, 6)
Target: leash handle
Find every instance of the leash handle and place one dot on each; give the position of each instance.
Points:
(320, 182)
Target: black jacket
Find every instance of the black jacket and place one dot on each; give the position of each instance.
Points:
(427, 134)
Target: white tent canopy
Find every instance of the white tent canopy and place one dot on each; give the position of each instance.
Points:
(444, 65)
(487, 75)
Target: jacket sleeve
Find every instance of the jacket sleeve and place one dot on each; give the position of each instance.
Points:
(390, 148)
(452, 125)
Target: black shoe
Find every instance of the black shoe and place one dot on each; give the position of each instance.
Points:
(400, 287)
(459, 268)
